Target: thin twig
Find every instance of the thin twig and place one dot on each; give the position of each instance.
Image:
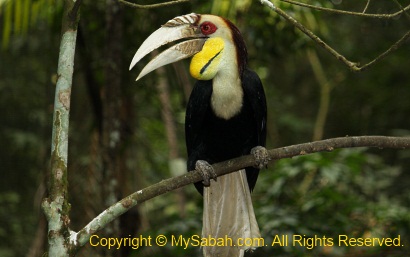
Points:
(361, 14)
(83, 236)
(150, 6)
(367, 6)
(393, 48)
(403, 8)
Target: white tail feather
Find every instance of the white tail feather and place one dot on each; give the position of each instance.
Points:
(228, 213)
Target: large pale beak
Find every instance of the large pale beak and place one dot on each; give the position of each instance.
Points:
(181, 27)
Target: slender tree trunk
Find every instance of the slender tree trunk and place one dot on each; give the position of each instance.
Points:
(56, 206)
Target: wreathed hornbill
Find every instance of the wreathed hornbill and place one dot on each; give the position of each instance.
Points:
(225, 118)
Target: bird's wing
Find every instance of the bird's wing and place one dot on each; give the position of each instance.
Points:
(253, 89)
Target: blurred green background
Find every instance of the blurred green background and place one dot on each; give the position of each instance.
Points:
(311, 96)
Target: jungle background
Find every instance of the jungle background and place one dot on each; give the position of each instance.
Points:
(133, 132)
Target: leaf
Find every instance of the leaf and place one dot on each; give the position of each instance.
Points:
(17, 16)
(7, 25)
(25, 16)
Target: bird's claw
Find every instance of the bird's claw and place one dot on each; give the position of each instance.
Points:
(261, 156)
(207, 172)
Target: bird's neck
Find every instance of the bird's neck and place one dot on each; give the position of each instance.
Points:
(227, 92)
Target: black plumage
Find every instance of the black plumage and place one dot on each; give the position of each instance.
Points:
(215, 139)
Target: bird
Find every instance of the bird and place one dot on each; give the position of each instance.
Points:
(225, 118)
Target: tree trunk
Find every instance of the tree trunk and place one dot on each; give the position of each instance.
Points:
(56, 206)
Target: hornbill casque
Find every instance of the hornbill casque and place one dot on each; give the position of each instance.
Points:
(225, 118)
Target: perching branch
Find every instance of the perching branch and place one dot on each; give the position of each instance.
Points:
(150, 6)
(352, 65)
(82, 237)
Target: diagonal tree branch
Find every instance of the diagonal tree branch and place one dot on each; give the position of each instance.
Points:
(393, 48)
(354, 66)
(83, 236)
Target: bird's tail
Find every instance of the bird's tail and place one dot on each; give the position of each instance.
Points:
(229, 217)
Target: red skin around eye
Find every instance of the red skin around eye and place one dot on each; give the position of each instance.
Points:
(208, 28)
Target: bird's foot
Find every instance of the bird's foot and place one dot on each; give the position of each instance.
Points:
(207, 172)
(261, 156)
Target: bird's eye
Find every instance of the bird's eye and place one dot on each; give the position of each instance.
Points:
(208, 28)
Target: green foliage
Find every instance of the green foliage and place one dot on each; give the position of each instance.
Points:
(21, 15)
(349, 194)
(9, 213)
(26, 97)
